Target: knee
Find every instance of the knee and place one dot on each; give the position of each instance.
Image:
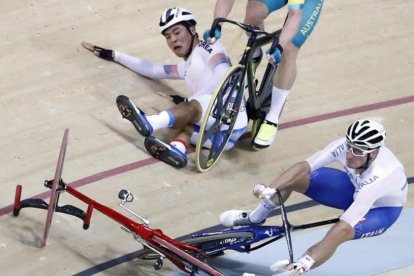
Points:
(256, 13)
(194, 109)
(290, 53)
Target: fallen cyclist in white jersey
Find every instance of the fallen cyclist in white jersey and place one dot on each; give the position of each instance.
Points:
(371, 190)
(203, 67)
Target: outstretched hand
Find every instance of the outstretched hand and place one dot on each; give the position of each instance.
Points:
(103, 53)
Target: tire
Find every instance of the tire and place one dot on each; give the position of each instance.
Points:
(203, 243)
(216, 241)
(220, 118)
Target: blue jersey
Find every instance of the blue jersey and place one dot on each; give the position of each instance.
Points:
(311, 12)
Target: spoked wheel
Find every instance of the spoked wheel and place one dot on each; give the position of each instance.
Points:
(219, 119)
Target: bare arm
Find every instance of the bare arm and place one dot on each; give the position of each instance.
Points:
(146, 68)
(295, 178)
(323, 250)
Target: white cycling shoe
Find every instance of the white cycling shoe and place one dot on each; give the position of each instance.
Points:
(232, 218)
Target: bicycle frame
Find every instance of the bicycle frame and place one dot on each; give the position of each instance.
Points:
(186, 257)
(228, 240)
(227, 100)
(260, 237)
(247, 238)
(257, 38)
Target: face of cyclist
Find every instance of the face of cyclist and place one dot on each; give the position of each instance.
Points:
(356, 157)
(179, 39)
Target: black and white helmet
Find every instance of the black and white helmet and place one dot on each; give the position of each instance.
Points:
(366, 133)
(172, 16)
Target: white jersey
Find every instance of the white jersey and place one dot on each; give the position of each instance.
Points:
(204, 68)
(382, 184)
(202, 71)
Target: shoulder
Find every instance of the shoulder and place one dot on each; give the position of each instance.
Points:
(336, 147)
(210, 49)
(386, 162)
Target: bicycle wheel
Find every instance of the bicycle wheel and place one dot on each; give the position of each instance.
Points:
(220, 118)
(181, 262)
(208, 244)
(213, 244)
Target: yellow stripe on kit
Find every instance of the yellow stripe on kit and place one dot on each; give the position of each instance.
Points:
(296, 2)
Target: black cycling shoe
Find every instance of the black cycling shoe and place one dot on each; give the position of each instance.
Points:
(165, 152)
(132, 113)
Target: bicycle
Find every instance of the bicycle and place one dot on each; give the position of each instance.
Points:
(226, 102)
(244, 239)
(189, 254)
(186, 257)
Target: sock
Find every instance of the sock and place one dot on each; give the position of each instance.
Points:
(262, 211)
(279, 97)
(161, 120)
(179, 144)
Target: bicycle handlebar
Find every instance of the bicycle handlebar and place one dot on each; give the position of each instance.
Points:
(248, 28)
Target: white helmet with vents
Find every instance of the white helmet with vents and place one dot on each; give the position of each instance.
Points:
(172, 16)
(366, 133)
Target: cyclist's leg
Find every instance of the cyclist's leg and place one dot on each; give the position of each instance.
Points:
(376, 222)
(174, 153)
(331, 187)
(186, 113)
(258, 10)
(256, 13)
(286, 74)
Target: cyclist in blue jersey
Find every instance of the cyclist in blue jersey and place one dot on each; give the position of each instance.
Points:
(300, 22)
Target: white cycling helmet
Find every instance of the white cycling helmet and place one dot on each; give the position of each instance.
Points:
(172, 16)
(366, 133)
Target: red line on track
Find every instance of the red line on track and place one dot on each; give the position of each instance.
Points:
(295, 123)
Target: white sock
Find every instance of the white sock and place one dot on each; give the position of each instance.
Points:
(279, 97)
(163, 119)
(178, 145)
(262, 211)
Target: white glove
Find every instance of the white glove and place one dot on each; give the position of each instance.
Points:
(292, 269)
(263, 192)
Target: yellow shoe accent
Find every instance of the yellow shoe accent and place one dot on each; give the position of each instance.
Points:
(266, 135)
